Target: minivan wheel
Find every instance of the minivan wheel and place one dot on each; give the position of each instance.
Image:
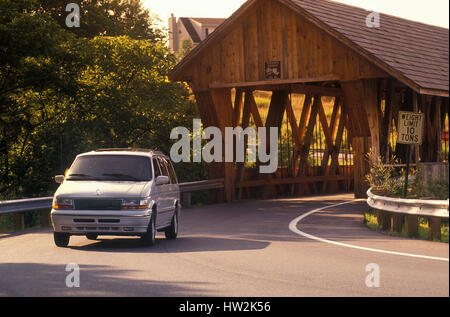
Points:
(172, 231)
(92, 236)
(149, 237)
(61, 239)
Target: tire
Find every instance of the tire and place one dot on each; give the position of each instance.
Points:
(172, 231)
(61, 239)
(92, 236)
(149, 238)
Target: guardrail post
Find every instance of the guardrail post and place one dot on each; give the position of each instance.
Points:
(412, 225)
(229, 189)
(19, 221)
(434, 228)
(45, 218)
(384, 220)
(396, 223)
(186, 199)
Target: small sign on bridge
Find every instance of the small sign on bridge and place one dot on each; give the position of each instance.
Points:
(410, 127)
(272, 70)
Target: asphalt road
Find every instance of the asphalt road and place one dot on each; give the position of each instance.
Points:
(232, 250)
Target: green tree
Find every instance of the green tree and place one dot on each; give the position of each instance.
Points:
(63, 94)
(35, 65)
(127, 94)
(106, 18)
(186, 46)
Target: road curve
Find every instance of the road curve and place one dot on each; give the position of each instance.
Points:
(294, 223)
(238, 249)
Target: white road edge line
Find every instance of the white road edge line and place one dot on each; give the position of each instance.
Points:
(293, 227)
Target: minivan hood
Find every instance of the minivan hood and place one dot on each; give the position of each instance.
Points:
(103, 189)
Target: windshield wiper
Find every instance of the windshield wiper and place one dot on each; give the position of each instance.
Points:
(84, 176)
(122, 176)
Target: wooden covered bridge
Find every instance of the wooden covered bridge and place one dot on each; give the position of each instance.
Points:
(331, 83)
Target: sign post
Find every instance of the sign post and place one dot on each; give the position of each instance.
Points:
(410, 130)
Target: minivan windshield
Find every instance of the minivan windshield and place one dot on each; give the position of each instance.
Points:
(111, 168)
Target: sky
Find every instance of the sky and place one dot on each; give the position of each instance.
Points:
(435, 12)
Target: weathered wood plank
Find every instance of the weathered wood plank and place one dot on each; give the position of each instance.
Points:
(372, 110)
(361, 146)
(206, 108)
(416, 109)
(245, 123)
(291, 180)
(387, 123)
(294, 127)
(264, 82)
(276, 109)
(302, 124)
(354, 105)
(223, 106)
(306, 111)
(331, 169)
(260, 36)
(308, 137)
(438, 129)
(274, 119)
(255, 112)
(333, 125)
(237, 108)
(284, 38)
(323, 121)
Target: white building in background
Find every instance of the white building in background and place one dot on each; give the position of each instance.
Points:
(194, 29)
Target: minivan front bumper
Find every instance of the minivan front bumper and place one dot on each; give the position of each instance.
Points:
(82, 222)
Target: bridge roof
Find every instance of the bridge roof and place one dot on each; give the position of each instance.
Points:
(416, 51)
(417, 54)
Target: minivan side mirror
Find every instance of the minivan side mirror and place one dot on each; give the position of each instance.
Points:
(59, 179)
(162, 180)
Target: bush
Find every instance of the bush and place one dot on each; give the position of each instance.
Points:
(383, 178)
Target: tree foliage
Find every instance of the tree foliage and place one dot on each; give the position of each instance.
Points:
(106, 18)
(186, 47)
(62, 94)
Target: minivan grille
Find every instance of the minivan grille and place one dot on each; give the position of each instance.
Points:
(97, 204)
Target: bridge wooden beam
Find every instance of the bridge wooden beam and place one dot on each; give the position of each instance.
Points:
(297, 88)
(274, 119)
(224, 112)
(245, 123)
(360, 96)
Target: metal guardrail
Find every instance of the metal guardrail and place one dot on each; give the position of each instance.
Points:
(43, 203)
(187, 188)
(394, 213)
(202, 185)
(416, 207)
(22, 205)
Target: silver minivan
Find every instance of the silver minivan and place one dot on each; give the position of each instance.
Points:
(131, 192)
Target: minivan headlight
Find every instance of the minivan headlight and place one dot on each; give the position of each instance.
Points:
(135, 203)
(62, 203)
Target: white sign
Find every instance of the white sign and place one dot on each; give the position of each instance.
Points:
(410, 127)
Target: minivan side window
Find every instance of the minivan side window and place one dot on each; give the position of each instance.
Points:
(173, 176)
(156, 168)
(163, 166)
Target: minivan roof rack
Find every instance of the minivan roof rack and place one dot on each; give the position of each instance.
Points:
(129, 150)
